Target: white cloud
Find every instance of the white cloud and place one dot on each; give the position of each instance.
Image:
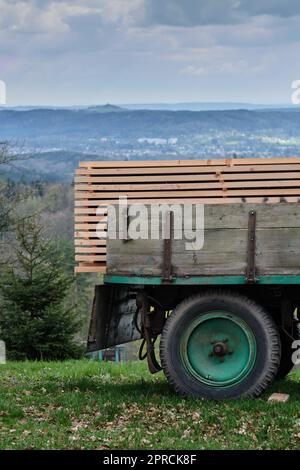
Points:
(53, 16)
(194, 70)
(144, 45)
(126, 12)
(234, 67)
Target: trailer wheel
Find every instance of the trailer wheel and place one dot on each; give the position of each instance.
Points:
(220, 345)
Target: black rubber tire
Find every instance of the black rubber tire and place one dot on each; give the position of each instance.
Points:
(264, 329)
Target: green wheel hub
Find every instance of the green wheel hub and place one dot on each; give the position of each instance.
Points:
(218, 349)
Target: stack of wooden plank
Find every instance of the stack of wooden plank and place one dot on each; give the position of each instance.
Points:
(258, 180)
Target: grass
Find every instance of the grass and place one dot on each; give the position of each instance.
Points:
(90, 405)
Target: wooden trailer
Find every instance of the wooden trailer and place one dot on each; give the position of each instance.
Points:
(225, 310)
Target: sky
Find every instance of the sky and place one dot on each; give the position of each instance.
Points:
(86, 52)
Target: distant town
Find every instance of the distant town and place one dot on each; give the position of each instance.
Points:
(53, 140)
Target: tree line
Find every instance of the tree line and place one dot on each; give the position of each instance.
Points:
(42, 308)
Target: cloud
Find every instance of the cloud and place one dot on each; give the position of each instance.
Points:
(33, 17)
(222, 68)
(233, 67)
(194, 70)
(191, 12)
(55, 16)
(279, 8)
(43, 16)
(211, 12)
(125, 47)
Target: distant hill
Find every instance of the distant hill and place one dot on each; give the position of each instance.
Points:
(58, 138)
(184, 106)
(106, 108)
(39, 124)
(207, 106)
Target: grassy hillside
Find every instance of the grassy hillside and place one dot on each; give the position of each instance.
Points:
(88, 405)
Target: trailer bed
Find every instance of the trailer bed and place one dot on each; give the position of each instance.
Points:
(228, 188)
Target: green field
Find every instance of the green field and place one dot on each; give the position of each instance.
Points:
(90, 405)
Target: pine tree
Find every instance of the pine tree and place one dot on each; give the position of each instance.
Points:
(34, 320)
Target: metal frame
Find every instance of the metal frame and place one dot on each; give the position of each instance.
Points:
(167, 253)
(203, 280)
(251, 269)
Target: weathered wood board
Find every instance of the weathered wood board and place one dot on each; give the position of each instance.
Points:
(225, 244)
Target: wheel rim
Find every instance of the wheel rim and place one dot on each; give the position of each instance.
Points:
(218, 349)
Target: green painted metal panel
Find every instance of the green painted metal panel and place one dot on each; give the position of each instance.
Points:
(202, 280)
(279, 279)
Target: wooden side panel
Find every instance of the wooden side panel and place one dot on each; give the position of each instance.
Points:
(225, 245)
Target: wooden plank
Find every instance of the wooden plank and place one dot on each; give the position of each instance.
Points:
(182, 200)
(278, 216)
(151, 266)
(189, 177)
(90, 258)
(90, 269)
(89, 242)
(148, 257)
(86, 235)
(214, 193)
(232, 216)
(212, 238)
(98, 226)
(90, 249)
(188, 170)
(90, 218)
(209, 162)
(216, 243)
(86, 210)
(187, 186)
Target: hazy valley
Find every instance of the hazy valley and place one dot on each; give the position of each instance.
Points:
(53, 141)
